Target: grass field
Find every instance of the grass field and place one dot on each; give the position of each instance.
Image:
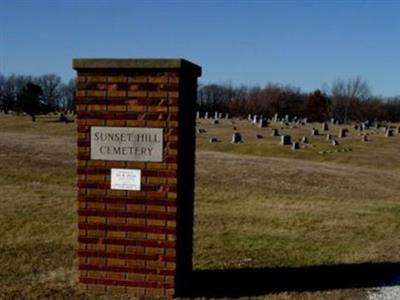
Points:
(258, 205)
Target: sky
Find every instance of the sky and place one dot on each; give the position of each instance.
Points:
(306, 44)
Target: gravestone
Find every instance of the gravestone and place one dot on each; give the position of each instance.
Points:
(136, 144)
(304, 140)
(214, 140)
(343, 132)
(274, 132)
(216, 115)
(206, 115)
(285, 140)
(328, 137)
(314, 132)
(215, 121)
(198, 115)
(226, 116)
(201, 130)
(295, 146)
(263, 123)
(259, 136)
(365, 125)
(324, 127)
(364, 138)
(255, 119)
(236, 138)
(335, 142)
(389, 132)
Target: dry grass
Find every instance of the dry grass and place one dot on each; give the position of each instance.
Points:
(258, 204)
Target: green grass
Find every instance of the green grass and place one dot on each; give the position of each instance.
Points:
(258, 204)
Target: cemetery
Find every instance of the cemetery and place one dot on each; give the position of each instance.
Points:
(258, 203)
(199, 150)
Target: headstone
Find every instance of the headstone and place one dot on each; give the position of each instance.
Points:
(198, 115)
(355, 127)
(343, 132)
(236, 138)
(295, 146)
(201, 130)
(206, 115)
(215, 121)
(263, 123)
(255, 119)
(127, 151)
(335, 142)
(216, 115)
(328, 137)
(365, 125)
(286, 140)
(214, 140)
(220, 115)
(249, 118)
(389, 132)
(364, 138)
(324, 127)
(304, 140)
(286, 118)
(226, 116)
(314, 132)
(274, 132)
(333, 121)
(276, 118)
(259, 136)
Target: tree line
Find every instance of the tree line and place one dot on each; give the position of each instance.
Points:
(35, 95)
(344, 100)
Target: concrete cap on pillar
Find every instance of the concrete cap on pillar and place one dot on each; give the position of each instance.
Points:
(123, 63)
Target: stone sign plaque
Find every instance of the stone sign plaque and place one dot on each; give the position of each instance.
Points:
(125, 179)
(126, 143)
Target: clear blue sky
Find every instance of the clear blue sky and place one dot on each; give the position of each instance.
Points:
(302, 43)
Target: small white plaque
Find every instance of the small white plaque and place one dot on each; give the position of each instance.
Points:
(125, 179)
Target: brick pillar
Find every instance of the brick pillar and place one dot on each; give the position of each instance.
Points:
(136, 241)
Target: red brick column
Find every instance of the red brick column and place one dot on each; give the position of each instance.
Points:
(136, 242)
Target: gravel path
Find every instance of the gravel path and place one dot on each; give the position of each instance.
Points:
(390, 292)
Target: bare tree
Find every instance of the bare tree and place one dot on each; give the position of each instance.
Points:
(12, 87)
(345, 94)
(2, 91)
(66, 100)
(50, 84)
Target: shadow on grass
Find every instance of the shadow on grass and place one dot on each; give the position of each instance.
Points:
(254, 282)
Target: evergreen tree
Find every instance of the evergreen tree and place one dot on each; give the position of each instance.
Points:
(29, 99)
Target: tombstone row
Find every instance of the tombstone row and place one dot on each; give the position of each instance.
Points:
(217, 115)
